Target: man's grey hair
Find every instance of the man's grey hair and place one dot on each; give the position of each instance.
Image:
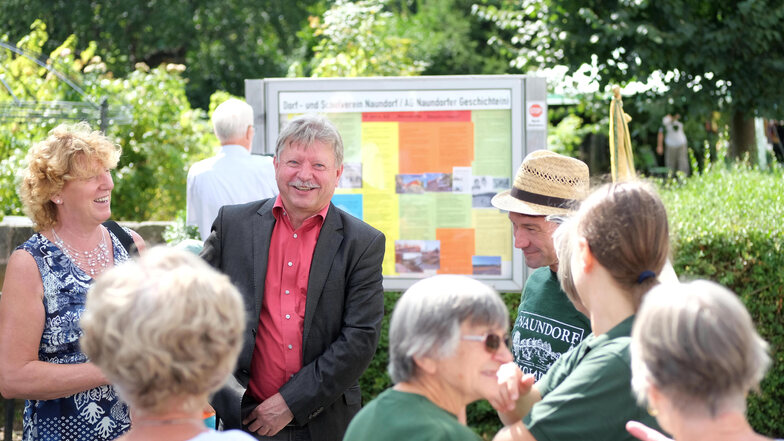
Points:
(696, 343)
(307, 129)
(427, 318)
(231, 119)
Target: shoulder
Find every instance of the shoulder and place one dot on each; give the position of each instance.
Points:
(261, 160)
(201, 166)
(543, 279)
(354, 226)
(248, 208)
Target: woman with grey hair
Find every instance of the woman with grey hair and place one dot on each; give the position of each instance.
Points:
(695, 356)
(166, 330)
(447, 340)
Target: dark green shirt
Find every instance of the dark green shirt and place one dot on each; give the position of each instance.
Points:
(547, 324)
(396, 416)
(587, 394)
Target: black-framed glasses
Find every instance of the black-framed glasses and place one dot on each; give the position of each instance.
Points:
(492, 341)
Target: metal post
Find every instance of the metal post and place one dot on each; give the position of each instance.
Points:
(104, 115)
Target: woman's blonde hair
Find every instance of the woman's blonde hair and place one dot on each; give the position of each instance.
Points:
(164, 326)
(69, 152)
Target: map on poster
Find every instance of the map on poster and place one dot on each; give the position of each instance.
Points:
(422, 166)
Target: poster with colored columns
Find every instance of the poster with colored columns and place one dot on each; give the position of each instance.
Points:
(422, 166)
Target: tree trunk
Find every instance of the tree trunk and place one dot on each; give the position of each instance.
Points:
(742, 139)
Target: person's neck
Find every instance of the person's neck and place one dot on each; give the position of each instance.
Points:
(77, 235)
(169, 426)
(434, 391)
(727, 426)
(606, 302)
(240, 142)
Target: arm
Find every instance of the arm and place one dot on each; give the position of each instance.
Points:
(643, 432)
(324, 380)
(22, 315)
(516, 394)
(522, 407)
(138, 241)
(515, 432)
(227, 400)
(660, 142)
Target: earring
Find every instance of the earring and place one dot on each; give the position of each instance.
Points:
(652, 412)
(58, 201)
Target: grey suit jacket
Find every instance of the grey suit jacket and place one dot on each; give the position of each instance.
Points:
(343, 313)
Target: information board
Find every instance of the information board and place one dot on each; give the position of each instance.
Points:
(422, 159)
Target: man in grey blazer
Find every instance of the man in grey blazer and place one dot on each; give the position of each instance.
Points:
(311, 278)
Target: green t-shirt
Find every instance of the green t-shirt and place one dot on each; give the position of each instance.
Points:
(395, 416)
(547, 324)
(587, 395)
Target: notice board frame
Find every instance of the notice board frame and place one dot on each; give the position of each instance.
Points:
(527, 109)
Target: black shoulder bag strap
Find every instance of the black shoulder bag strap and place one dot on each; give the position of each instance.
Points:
(125, 239)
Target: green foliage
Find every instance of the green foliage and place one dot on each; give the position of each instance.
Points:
(178, 230)
(222, 43)
(164, 137)
(726, 226)
(566, 136)
(358, 39)
(709, 58)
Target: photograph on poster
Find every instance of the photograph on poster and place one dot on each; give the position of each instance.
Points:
(461, 179)
(482, 200)
(500, 184)
(410, 183)
(352, 175)
(438, 182)
(417, 256)
(486, 265)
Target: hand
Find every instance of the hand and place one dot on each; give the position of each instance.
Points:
(643, 432)
(659, 150)
(512, 383)
(269, 417)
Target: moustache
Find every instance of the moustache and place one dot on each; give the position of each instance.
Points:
(304, 184)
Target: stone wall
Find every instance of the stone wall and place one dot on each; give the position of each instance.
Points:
(14, 230)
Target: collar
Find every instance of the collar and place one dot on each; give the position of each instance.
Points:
(622, 329)
(234, 149)
(279, 210)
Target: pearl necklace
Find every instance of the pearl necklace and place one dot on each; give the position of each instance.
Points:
(93, 262)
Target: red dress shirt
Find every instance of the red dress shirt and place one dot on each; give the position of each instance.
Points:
(277, 354)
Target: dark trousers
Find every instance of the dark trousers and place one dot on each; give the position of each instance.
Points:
(288, 433)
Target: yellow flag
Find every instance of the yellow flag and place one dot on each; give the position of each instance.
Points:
(621, 157)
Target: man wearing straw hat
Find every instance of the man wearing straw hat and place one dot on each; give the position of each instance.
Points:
(547, 187)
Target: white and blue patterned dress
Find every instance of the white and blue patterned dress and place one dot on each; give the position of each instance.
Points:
(95, 414)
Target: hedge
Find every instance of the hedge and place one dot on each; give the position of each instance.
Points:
(727, 225)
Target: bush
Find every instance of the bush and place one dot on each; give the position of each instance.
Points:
(726, 225)
(161, 135)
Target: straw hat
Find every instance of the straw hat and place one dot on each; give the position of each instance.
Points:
(546, 183)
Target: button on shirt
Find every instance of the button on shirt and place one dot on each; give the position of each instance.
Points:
(233, 176)
(277, 354)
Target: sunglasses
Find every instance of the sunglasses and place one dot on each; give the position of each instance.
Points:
(492, 341)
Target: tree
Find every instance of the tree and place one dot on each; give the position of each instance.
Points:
(221, 43)
(164, 135)
(399, 37)
(713, 54)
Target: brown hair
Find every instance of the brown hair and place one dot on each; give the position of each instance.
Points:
(67, 153)
(625, 225)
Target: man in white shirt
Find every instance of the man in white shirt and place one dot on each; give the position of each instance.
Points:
(233, 176)
(676, 155)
